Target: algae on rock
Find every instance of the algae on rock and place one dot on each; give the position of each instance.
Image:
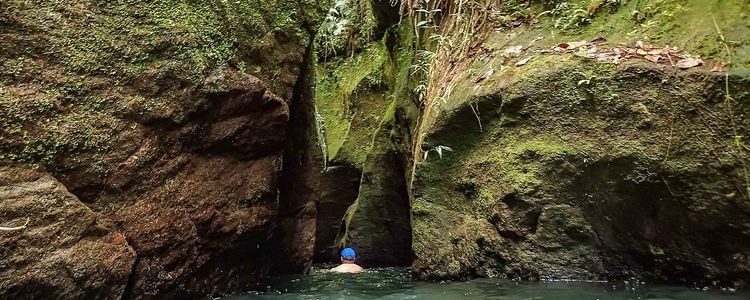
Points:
(363, 100)
(167, 119)
(568, 168)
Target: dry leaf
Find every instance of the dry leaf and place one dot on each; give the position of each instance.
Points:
(513, 51)
(658, 51)
(536, 39)
(524, 61)
(653, 58)
(571, 45)
(641, 52)
(485, 76)
(689, 62)
(574, 45)
(718, 68)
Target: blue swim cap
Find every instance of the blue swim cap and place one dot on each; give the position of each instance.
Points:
(348, 252)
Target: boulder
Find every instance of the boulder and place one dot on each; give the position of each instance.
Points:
(66, 250)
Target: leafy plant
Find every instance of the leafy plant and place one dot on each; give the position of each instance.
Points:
(571, 14)
(437, 149)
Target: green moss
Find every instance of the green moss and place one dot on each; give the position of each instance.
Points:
(84, 72)
(554, 145)
(344, 95)
(686, 24)
(562, 226)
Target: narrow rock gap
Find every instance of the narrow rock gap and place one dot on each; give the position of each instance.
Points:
(339, 187)
(298, 183)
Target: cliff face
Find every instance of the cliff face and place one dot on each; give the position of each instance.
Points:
(626, 176)
(166, 121)
(366, 111)
(189, 148)
(562, 167)
(567, 167)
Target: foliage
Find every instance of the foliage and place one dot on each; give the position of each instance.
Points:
(573, 14)
(438, 149)
(348, 26)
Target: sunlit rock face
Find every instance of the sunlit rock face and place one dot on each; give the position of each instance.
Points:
(571, 161)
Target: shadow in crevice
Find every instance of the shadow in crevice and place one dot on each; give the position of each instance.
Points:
(339, 187)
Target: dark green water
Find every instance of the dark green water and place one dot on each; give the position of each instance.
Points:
(395, 283)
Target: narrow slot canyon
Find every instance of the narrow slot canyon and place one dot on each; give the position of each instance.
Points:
(231, 149)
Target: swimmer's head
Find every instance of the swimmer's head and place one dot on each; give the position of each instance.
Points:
(348, 255)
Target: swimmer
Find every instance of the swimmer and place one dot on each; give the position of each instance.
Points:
(347, 262)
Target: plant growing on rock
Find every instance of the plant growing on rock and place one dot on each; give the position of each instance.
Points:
(437, 149)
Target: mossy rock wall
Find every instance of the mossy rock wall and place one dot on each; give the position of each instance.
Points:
(636, 173)
(167, 119)
(366, 115)
(569, 168)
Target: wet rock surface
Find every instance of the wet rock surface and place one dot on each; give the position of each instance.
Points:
(340, 187)
(66, 250)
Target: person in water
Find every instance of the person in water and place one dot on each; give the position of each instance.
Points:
(347, 262)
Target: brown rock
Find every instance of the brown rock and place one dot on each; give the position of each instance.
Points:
(66, 250)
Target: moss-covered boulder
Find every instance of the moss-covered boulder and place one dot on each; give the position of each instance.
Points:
(565, 167)
(635, 173)
(167, 118)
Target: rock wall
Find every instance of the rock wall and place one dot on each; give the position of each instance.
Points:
(602, 181)
(366, 112)
(68, 251)
(569, 168)
(167, 121)
(179, 142)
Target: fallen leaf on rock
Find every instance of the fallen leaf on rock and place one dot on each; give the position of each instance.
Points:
(657, 55)
(574, 45)
(689, 62)
(513, 51)
(485, 76)
(570, 45)
(653, 58)
(718, 68)
(591, 53)
(658, 51)
(536, 39)
(607, 56)
(524, 61)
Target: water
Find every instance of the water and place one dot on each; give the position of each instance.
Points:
(395, 283)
